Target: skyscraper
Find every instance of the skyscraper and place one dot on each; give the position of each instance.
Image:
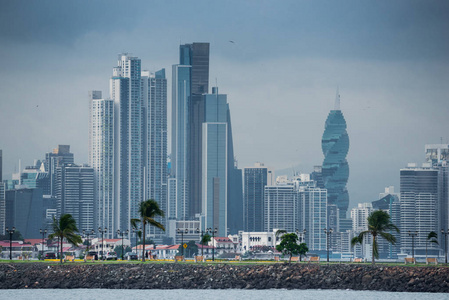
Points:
(312, 215)
(180, 140)
(335, 169)
(255, 180)
(128, 144)
(438, 156)
(154, 99)
(75, 194)
(101, 159)
(281, 207)
(359, 216)
(419, 209)
(215, 161)
(125, 90)
(197, 56)
(25, 211)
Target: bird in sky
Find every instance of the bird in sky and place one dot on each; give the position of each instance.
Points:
(232, 42)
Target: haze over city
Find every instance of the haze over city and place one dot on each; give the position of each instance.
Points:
(279, 63)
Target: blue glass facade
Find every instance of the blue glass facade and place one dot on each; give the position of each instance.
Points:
(24, 210)
(215, 176)
(180, 137)
(215, 162)
(335, 169)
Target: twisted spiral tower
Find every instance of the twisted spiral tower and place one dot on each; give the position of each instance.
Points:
(335, 146)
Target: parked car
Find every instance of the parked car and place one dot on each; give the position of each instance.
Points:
(111, 255)
(50, 255)
(94, 254)
(131, 256)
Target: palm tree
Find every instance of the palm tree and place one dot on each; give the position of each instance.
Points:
(432, 237)
(65, 227)
(148, 210)
(379, 223)
(205, 240)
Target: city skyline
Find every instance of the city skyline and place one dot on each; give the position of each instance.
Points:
(391, 77)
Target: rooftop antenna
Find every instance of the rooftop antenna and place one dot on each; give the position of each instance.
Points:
(441, 139)
(337, 100)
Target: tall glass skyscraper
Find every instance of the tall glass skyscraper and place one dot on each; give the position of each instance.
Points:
(180, 141)
(215, 162)
(154, 99)
(128, 144)
(335, 169)
(255, 180)
(125, 90)
(197, 56)
(101, 159)
(190, 82)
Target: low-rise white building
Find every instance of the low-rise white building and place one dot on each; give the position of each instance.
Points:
(98, 245)
(223, 245)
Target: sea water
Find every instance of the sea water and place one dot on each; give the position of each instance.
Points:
(280, 294)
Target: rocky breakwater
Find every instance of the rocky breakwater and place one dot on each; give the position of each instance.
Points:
(225, 276)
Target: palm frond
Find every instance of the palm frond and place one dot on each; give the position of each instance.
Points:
(156, 224)
(355, 240)
(388, 237)
(359, 239)
(134, 223)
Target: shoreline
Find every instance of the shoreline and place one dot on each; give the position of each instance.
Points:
(224, 276)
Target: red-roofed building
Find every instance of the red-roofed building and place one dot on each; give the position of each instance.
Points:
(18, 249)
(33, 241)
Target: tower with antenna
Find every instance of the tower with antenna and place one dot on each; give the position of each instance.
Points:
(335, 169)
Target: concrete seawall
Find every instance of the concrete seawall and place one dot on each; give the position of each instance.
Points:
(225, 276)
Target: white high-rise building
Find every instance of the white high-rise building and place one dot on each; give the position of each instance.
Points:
(313, 215)
(101, 158)
(419, 207)
(154, 99)
(297, 205)
(75, 194)
(125, 90)
(128, 145)
(359, 216)
(280, 207)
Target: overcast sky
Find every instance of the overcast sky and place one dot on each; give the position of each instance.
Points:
(390, 60)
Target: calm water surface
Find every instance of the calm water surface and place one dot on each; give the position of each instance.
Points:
(213, 294)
